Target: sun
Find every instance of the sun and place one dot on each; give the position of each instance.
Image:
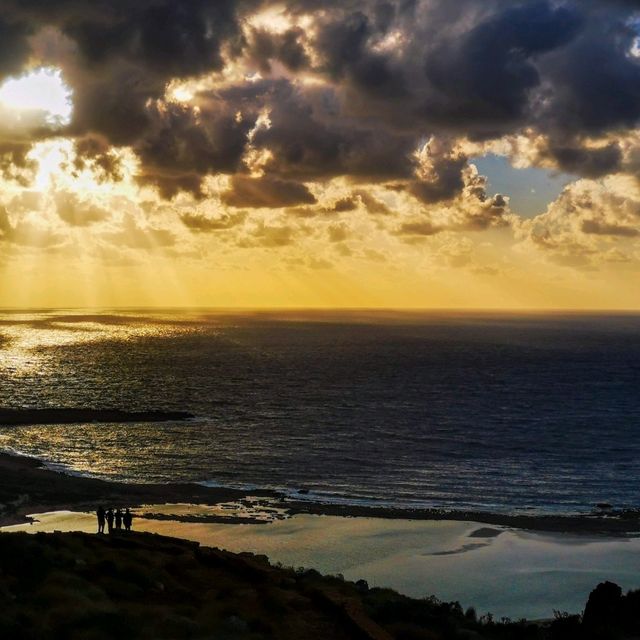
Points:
(41, 91)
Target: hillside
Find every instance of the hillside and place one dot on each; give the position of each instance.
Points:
(84, 587)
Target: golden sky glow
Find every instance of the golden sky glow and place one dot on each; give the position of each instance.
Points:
(90, 216)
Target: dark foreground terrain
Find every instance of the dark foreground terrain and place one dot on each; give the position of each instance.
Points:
(84, 587)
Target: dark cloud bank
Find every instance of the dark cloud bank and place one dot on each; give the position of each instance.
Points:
(388, 75)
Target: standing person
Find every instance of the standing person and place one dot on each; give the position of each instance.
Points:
(118, 519)
(127, 519)
(100, 515)
(110, 520)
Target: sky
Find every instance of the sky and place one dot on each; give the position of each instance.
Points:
(374, 153)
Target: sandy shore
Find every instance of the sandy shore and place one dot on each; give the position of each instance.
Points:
(26, 486)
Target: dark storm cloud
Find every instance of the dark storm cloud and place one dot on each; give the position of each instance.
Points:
(311, 138)
(486, 76)
(182, 145)
(168, 38)
(343, 47)
(165, 37)
(287, 48)
(96, 153)
(14, 46)
(445, 182)
(14, 163)
(387, 74)
(587, 162)
(125, 53)
(596, 80)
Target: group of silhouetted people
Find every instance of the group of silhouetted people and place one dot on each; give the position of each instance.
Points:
(114, 520)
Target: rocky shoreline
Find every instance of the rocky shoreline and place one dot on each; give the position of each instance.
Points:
(27, 487)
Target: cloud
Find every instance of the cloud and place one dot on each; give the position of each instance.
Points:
(27, 232)
(184, 144)
(338, 233)
(343, 48)
(467, 207)
(287, 48)
(95, 153)
(344, 204)
(420, 228)
(270, 236)
(6, 229)
(15, 164)
(596, 80)
(478, 70)
(585, 161)
(351, 89)
(366, 112)
(78, 213)
(440, 172)
(199, 223)
(602, 229)
(372, 204)
(14, 45)
(266, 192)
(135, 235)
(588, 222)
(485, 78)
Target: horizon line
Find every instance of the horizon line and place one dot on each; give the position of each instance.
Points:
(312, 309)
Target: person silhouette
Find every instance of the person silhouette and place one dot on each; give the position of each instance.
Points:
(100, 515)
(110, 519)
(127, 519)
(118, 519)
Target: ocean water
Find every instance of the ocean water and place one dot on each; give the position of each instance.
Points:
(466, 411)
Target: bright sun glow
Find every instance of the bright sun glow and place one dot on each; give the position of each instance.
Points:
(42, 90)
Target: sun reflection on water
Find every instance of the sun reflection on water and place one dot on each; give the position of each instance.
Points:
(26, 340)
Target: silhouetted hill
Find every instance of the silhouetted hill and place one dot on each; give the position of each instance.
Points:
(85, 587)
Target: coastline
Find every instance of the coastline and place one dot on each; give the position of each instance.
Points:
(28, 487)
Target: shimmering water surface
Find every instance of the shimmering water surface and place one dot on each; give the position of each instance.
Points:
(466, 411)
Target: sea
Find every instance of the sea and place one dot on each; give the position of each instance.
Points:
(509, 413)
